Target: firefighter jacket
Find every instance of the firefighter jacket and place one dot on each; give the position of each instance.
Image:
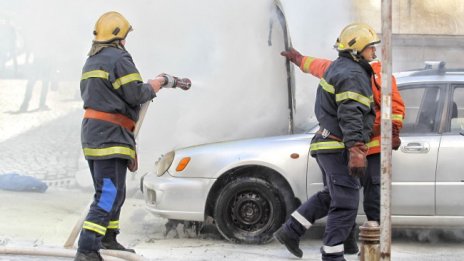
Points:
(318, 66)
(344, 106)
(111, 83)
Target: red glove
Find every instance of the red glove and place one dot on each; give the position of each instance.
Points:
(396, 141)
(293, 55)
(357, 162)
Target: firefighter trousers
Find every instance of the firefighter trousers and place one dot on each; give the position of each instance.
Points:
(109, 179)
(338, 200)
(371, 188)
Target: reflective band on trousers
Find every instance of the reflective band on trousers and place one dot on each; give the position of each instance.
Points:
(302, 220)
(126, 79)
(333, 249)
(374, 143)
(354, 96)
(327, 145)
(397, 117)
(109, 151)
(94, 227)
(113, 225)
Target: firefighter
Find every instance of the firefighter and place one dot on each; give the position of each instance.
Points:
(345, 111)
(371, 181)
(112, 91)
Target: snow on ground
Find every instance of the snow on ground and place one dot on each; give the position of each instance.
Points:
(44, 220)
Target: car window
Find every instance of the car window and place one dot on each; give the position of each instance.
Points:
(422, 104)
(456, 114)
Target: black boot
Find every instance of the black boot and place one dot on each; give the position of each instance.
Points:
(291, 242)
(109, 241)
(350, 244)
(338, 256)
(90, 256)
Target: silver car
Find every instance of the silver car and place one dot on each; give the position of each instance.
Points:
(249, 187)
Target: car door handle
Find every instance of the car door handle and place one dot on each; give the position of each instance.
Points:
(415, 147)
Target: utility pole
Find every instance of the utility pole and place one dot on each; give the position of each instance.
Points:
(386, 133)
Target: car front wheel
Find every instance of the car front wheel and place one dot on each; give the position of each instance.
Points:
(249, 210)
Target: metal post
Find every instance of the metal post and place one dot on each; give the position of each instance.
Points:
(386, 133)
(369, 236)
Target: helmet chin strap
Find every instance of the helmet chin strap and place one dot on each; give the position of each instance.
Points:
(356, 56)
(122, 44)
(359, 59)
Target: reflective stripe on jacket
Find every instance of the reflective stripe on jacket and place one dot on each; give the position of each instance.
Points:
(318, 66)
(111, 83)
(344, 105)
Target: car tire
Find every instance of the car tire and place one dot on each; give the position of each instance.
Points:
(248, 210)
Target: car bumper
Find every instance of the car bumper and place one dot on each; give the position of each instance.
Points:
(175, 197)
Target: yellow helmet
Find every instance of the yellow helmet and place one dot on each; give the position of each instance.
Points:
(356, 37)
(111, 26)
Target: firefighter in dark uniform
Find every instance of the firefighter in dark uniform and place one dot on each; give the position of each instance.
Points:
(345, 111)
(371, 181)
(112, 90)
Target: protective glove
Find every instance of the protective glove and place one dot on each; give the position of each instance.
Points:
(357, 162)
(396, 141)
(293, 55)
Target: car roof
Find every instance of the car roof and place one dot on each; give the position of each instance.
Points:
(433, 71)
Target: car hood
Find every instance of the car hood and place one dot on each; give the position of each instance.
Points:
(211, 160)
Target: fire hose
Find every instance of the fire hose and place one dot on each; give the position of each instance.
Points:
(108, 255)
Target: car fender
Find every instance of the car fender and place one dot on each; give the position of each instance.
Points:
(287, 155)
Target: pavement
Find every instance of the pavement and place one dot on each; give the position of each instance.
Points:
(43, 143)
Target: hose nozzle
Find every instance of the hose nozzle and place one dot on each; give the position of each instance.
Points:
(183, 83)
(174, 82)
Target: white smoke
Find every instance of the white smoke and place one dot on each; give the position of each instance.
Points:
(314, 26)
(239, 81)
(243, 88)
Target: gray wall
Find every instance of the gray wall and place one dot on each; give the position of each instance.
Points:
(410, 51)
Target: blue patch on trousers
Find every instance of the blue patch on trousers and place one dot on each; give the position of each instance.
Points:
(108, 195)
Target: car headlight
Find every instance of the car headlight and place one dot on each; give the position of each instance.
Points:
(164, 163)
